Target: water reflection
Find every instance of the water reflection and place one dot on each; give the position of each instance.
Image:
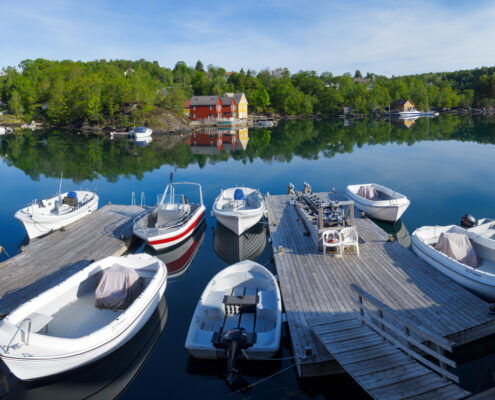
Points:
(215, 141)
(106, 378)
(85, 157)
(398, 231)
(232, 248)
(178, 259)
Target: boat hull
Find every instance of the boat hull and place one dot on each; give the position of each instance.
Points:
(385, 210)
(172, 238)
(465, 276)
(238, 224)
(43, 226)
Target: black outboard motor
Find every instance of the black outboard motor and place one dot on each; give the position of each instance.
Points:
(234, 340)
(468, 221)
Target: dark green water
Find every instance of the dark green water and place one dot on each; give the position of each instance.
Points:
(444, 166)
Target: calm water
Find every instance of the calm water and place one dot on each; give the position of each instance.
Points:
(444, 166)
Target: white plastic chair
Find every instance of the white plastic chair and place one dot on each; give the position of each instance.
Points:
(331, 238)
(349, 237)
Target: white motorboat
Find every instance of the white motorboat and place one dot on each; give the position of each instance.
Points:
(239, 208)
(245, 299)
(142, 132)
(232, 248)
(173, 220)
(469, 260)
(44, 216)
(264, 123)
(84, 318)
(378, 201)
(410, 113)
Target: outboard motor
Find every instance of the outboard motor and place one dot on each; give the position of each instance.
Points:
(234, 341)
(468, 221)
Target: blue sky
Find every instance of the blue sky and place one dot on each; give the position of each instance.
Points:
(385, 37)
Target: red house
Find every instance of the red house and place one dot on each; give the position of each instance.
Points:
(228, 107)
(205, 107)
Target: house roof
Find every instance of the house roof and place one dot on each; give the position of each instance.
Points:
(227, 100)
(401, 102)
(204, 100)
(236, 96)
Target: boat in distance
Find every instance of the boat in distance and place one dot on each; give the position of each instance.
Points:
(84, 318)
(44, 216)
(239, 208)
(465, 255)
(243, 297)
(173, 220)
(142, 132)
(378, 201)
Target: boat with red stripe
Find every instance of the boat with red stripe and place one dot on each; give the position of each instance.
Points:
(173, 220)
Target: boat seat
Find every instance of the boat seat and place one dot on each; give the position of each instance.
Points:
(39, 321)
(240, 304)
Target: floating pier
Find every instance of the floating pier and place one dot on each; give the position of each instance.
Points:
(51, 259)
(317, 290)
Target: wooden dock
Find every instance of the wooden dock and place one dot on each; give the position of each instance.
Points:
(51, 259)
(316, 287)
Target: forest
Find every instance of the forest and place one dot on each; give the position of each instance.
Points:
(120, 93)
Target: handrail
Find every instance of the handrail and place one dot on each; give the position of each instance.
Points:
(18, 329)
(444, 343)
(394, 333)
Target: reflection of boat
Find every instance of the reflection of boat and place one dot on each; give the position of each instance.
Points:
(232, 248)
(242, 298)
(179, 258)
(143, 141)
(398, 231)
(44, 216)
(378, 201)
(84, 318)
(465, 255)
(142, 132)
(239, 208)
(172, 220)
(105, 379)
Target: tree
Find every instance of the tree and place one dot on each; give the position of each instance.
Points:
(199, 66)
(15, 104)
(357, 74)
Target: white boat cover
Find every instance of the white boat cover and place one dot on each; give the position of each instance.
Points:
(367, 192)
(458, 247)
(118, 288)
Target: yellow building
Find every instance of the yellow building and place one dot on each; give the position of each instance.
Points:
(403, 105)
(242, 104)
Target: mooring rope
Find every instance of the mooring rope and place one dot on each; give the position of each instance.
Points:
(263, 379)
(2, 249)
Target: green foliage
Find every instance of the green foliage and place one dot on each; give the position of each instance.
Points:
(118, 92)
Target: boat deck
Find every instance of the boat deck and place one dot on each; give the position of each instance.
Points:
(314, 286)
(51, 259)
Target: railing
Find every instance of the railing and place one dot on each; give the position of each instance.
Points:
(17, 331)
(401, 330)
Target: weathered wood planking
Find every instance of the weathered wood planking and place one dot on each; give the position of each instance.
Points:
(378, 366)
(49, 260)
(315, 286)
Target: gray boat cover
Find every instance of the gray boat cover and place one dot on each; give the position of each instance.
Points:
(458, 247)
(118, 288)
(168, 217)
(367, 192)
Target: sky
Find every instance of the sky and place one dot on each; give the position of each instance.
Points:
(383, 37)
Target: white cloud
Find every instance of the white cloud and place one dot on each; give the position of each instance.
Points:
(388, 39)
